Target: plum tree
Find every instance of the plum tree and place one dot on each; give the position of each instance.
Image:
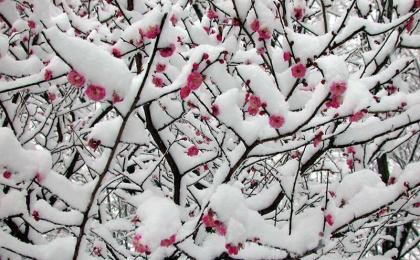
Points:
(209, 129)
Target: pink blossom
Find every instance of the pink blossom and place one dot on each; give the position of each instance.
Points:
(152, 32)
(253, 110)
(31, 24)
(7, 174)
(220, 228)
(35, 215)
(157, 81)
(139, 247)
(255, 25)
(409, 24)
(160, 67)
(39, 177)
(192, 151)
(95, 92)
(232, 250)
(276, 121)
(350, 163)
(318, 138)
(19, 7)
(97, 250)
(139, 42)
(286, 56)
(235, 22)
(264, 34)
(350, 150)
(329, 219)
(254, 101)
(298, 12)
(382, 211)
(391, 89)
(206, 167)
(298, 71)
(51, 96)
(191, 104)
(184, 92)
(208, 220)
(392, 180)
(137, 238)
(338, 88)
(135, 219)
(48, 75)
(211, 14)
(94, 143)
(247, 95)
(357, 116)
(295, 154)
(116, 98)
(116, 52)
(417, 205)
(215, 110)
(75, 79)
(168, 241)
(262, 112)
(174, 20)
(168, 51)
(194, 80)
(417, 4)
(261, 51)
(334, 102)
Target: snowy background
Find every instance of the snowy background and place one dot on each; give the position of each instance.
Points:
(209, 129)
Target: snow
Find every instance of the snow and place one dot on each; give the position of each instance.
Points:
(314, 178)
(56, 216)
(354, 183)
(97, 65)
(262, 86)
(403, 6)
(12, 203)
(307, 46)
(231, 115)
(411, 41)
(58, 248)
(159, 218)
(360, 203)
(7, 8)
(264, 198)
(66, 189)
(19, 68)
(379, 53)
(27, 163)
(334, 68)
(370, 130)
(106, 131)
(363, 6)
